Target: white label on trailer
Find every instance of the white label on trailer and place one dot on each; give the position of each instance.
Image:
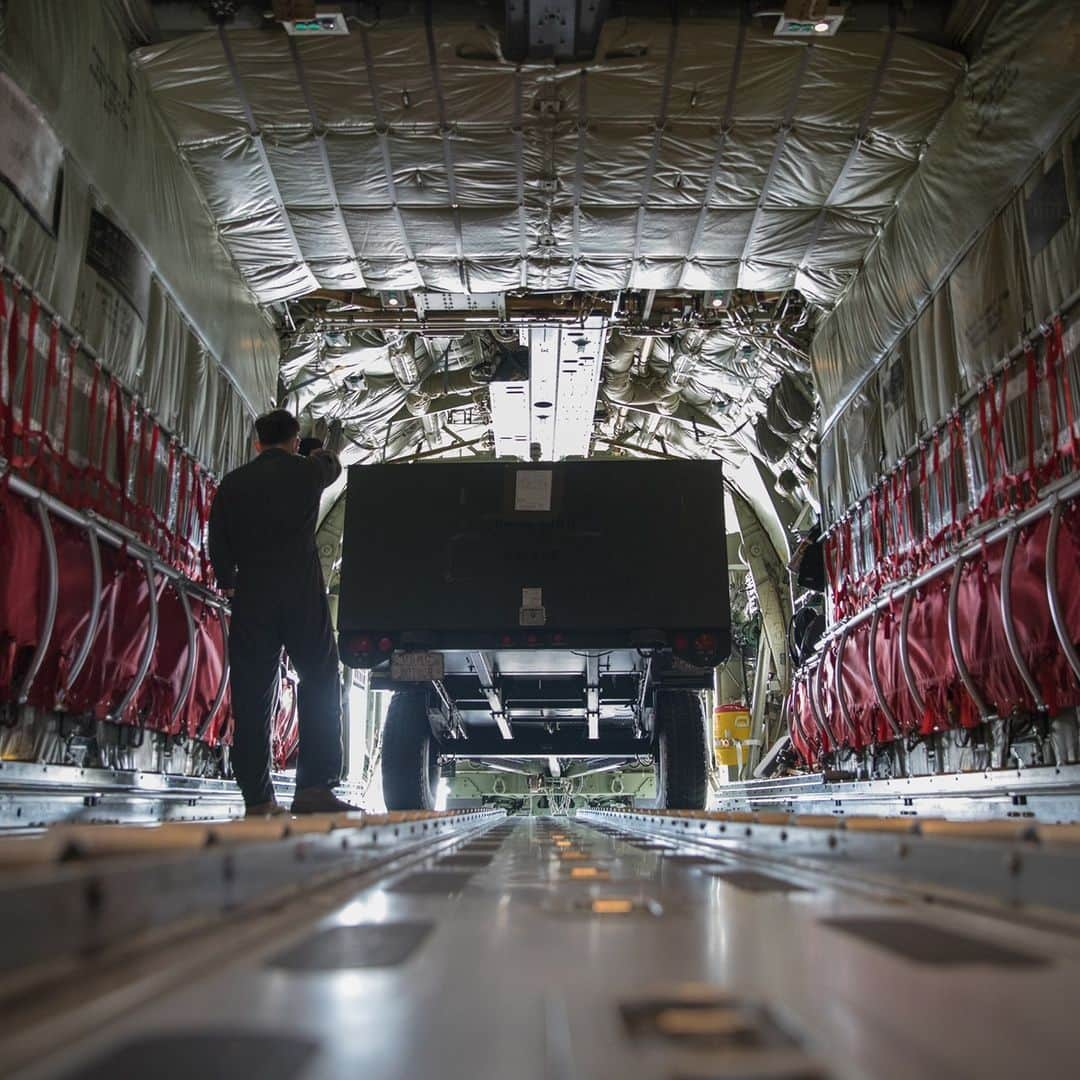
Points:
(532, 598)
(532, 490)
(416, 666)
(532, 616)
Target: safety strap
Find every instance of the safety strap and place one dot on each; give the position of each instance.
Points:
(12, 426)
(909, 516)
(875, 525)
(32, 448)
(166, 515)
(112, 420)
(65, 444)
(146, 502)
(180, 534)
(52, 375)
(1055, 423)
(956, 444)
(924, 503)
(1056, 346)
(992, 434)
(199, 485)
(939, 490)
(88, 495)
(124, 451)
(5, 385)
(1030, 364)
(26, 419)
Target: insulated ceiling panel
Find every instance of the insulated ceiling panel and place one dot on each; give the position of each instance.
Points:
(398, 158)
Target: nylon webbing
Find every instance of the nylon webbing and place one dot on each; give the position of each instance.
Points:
(12, 354)
(5, 385)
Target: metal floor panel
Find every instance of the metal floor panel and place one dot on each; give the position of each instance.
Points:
(537, 970)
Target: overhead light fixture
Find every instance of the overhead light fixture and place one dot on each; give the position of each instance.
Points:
(808, 18)
(393, 301)
(299, 21)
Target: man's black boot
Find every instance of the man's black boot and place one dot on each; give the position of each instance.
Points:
(320, 800)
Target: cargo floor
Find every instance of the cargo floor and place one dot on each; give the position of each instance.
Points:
(554, 950)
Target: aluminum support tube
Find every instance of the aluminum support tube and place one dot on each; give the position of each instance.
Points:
(52, 598)
(905, 655)
(1009, 623)
(957, 651)
(92, 619)
(611, 766)
(484, 673)
(815, 704)
(498, 766)
(592, 693)
(1053, 596)
(117, 715)
(192, 654)
(875, 678)
(107, 531)
(841, 645)
(219, 697)
(824, 715)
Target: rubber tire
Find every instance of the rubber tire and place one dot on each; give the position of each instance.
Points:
(682, 757)
(410, 754)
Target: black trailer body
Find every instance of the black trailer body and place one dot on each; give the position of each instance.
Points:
(487, 555)
(539, 609)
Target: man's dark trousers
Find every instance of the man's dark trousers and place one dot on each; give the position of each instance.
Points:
(262, 544)
(267, 614)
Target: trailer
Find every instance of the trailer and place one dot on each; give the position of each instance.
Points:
(567, 614)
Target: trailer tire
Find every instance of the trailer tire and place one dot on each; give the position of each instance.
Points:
(682, 751)
(410, 764)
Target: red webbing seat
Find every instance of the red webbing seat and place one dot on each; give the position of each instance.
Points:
(22, 588)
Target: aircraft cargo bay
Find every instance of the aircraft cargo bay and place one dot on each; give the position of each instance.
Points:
(539, 539)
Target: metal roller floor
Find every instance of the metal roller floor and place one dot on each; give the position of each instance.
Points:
(612, 945)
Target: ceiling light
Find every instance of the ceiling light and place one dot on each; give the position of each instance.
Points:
(393, 301)
(822, 27)
(718, 302)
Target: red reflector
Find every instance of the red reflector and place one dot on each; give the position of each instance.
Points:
(506, 639)
(558, 639)
(532, 639)
(385, 644)
(358, 643)
(681, 642)
(705, 643)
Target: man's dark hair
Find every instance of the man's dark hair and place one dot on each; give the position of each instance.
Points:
(276, 427)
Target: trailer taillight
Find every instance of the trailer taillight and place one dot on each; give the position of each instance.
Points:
(386, 644)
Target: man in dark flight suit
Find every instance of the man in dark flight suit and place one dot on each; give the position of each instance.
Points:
(262, 545)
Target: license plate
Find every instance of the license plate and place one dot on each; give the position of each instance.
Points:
(416, 666)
